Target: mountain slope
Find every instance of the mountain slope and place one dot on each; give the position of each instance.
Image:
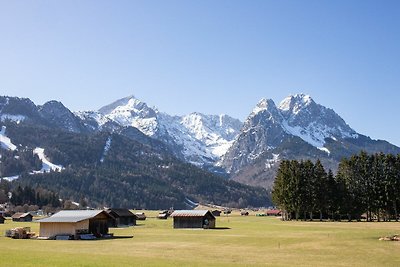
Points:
(196, 138)
(299, 129)
(111, 169)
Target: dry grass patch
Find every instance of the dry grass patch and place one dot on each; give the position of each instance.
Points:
(250, 241)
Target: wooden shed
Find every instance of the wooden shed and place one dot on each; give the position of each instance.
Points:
(121, 217)
(22, 217)
(2, 219)
(193, 219)
(273, 212)
(74, 223)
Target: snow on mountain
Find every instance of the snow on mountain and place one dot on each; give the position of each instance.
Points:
(10, 178)
(130, 111)
(107, 147)
(15, 118)
(47, 166)
(269, 127)
(216, 132)
(200, 139)
(172, 132)
(271, 162)
(5, 142)
(311, 122)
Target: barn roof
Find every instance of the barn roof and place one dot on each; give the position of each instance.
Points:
(121, 212)
(190, 213)
(20, 215)
(73, 216)
(275, 212)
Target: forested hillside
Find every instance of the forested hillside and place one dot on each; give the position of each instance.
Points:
(109, 169)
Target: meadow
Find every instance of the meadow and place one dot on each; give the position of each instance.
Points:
(239, 241)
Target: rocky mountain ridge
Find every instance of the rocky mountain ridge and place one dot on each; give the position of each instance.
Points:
(298, 128)
(197, 138)
(249, 152)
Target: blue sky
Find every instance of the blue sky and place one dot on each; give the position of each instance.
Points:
(207, 56)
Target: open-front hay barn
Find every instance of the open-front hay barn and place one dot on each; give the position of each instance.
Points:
(121, 217)
(193, 219)
(75, 223)
(22, 217)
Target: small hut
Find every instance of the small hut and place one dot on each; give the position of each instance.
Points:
(74, 223)
(121, 217)
(273, 212)
(2, 219)
(22, 217)
(193, 219)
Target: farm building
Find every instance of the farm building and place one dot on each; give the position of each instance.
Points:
(22, 217)
(2, 219)
(193, 219)
(121, 217)
(75, 222)
(273, 213)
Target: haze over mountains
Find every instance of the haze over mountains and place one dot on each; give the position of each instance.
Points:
(249, 152)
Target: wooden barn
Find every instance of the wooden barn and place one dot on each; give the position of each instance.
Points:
(74, 223)
(2, 219)
(121, 217)
(22, 217)
(193, 219)
(273, 212)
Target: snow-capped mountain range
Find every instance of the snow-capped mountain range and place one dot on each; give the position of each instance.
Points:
(297, 128)
(199, 139)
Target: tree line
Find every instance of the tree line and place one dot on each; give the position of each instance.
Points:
(365, 186)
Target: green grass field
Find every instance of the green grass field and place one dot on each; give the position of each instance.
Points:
(249, 241)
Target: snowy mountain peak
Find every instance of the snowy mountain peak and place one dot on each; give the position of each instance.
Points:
(264, 104)
(295, 103)
(127, 104)
(130, 111)
(269, 127)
